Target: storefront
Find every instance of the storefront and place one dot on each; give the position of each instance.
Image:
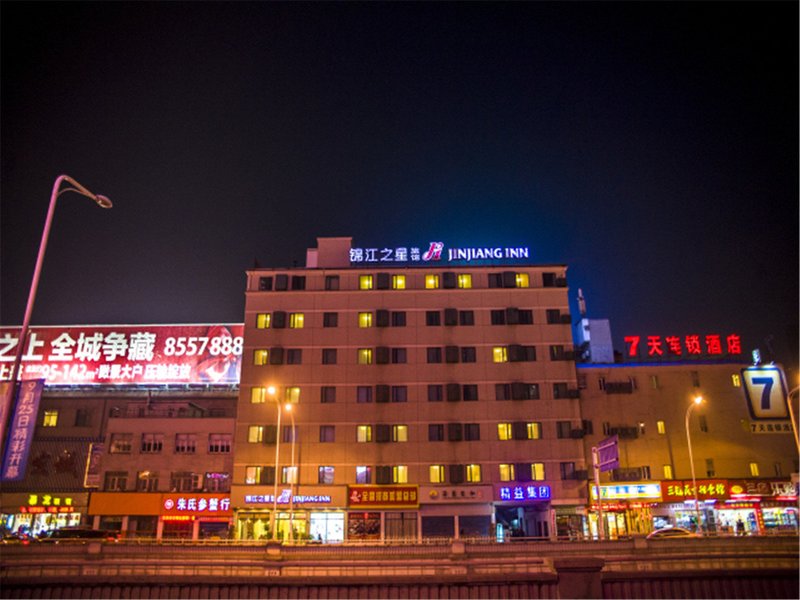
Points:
(627, 508)
(383, 512)
(456, 511)
(522, 510)
(37, 514)
(314, 513)
(190, 516)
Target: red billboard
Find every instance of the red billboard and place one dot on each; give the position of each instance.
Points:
(126, 354)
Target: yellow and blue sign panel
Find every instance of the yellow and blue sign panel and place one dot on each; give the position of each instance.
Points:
(765, 391)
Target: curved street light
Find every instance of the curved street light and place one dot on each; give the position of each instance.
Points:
(697, 401)
(102, 202)
(292, 476)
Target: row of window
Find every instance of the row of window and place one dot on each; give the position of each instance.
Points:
(399, 281)
(436, 392)
(384, 355)
(450, 317)
(82, 417)
(184, 443)
(179, 481)
(437, 432)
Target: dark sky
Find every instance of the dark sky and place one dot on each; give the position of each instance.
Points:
(651, 146)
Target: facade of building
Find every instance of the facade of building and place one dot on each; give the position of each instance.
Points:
(432, 400)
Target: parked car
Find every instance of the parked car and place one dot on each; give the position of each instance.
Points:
(668, 533)
(80, 535)
(16, 538)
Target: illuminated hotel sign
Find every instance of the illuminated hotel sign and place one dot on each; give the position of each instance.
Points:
(436, 252)
(196, 504)
(368, 496)
(522, 493)
(675, 346)
(632, 491)
(126, 354)
(765, 390)
(285, 497)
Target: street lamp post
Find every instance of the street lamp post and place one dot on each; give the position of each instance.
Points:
(271, 392)
(791, 417)
(102, 202)
(695, 402)
(293, 474)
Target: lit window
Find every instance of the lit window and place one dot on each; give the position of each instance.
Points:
(292, 395)
(263, 320)
(398, 282)
(400, 433)
(364, 433)
(121, 443)
(296, 320)
(50, 418)
(474, 473)
(668, 472)
(534, 430)
(537, 471)
(522, 280)
(506, 472)
(258, 395)
(431, 282)
(365, 356)
(753, 469)
(365, 282)
(365, 319)
(736, 380)
(252, 475)
(255, 434)
(464, 281)
(289, 475)
(400, 474)
(500, 354)
(363, 474)
(504, 431)
(260, 357)
(661, 427)
(325, 475)
(436, 473)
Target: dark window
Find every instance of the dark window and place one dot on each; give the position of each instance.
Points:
(549, 279)
(276, 356)
(517, 353)
(327, 433)
(398, 318)
(294, 356)
(331, 282)
(453, 392)
(435, 393)
(82, 417)
(560, 390)
(399, 393)
(281, 282)
(525, 316)
(472, 432)
(399, 355)
(563, 429)
(383, 433)
(498, 317)
(451, 354)
(270, 434)
(470, 392)
(502, 391)
(456, 473)
(466, 317)
(468, 354)
(330, 319)
(450, 317)
(327, 394)
(265, 284)
(278, 319)
(381, 318)
(434, 355)
(449, 280)
(383, 281)
(266, 476)
(522, 472)
(363, 394)
(587, 426)
(509, 279)
(512, 316)
(382, 355)
(382, 393)
(435, 432)
(553, 316)
(519, 430)
(557, 352)
(288, 432)
(567, 470)
(433, 317)
(298, 282)
(495, 280)
(454, 432)
(329, 356)
(383, 474)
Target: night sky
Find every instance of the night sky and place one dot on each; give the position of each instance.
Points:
(651, 146)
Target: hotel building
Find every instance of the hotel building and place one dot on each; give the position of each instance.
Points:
(429, 396)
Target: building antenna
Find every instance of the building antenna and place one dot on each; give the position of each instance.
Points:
(581, 303)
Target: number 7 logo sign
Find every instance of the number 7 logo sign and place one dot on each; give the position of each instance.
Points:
(765, 390)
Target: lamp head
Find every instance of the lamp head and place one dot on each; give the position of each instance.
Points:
(698, 400)
(288, 406)
(271, 390)
(103, 201)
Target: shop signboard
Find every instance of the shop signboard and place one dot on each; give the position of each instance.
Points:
(382, 496)
(675, 347)
(529, 492)
(765, 391)
(678, 490)
(763, 488)
(628, 491)
(197, 505)
(126, 354)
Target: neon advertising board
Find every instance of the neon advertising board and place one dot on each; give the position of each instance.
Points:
(522, 493)
(435, 252)
(660, 347)
(196, 505)
(369, 496)
(126, 354)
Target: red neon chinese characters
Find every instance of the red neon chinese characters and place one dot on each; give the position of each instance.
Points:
(734, 344)
(633, 344)
(674, 345)
(713, 344)
(693, 344)
(654, 345)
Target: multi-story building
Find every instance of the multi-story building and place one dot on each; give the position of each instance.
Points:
(431, 394)
(739, 438)
(130, 428)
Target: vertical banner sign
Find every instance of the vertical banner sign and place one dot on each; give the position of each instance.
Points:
(765, 390)
(91, 478)
(20, 434)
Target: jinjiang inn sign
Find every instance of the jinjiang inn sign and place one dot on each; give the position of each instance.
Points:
(436, 252)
